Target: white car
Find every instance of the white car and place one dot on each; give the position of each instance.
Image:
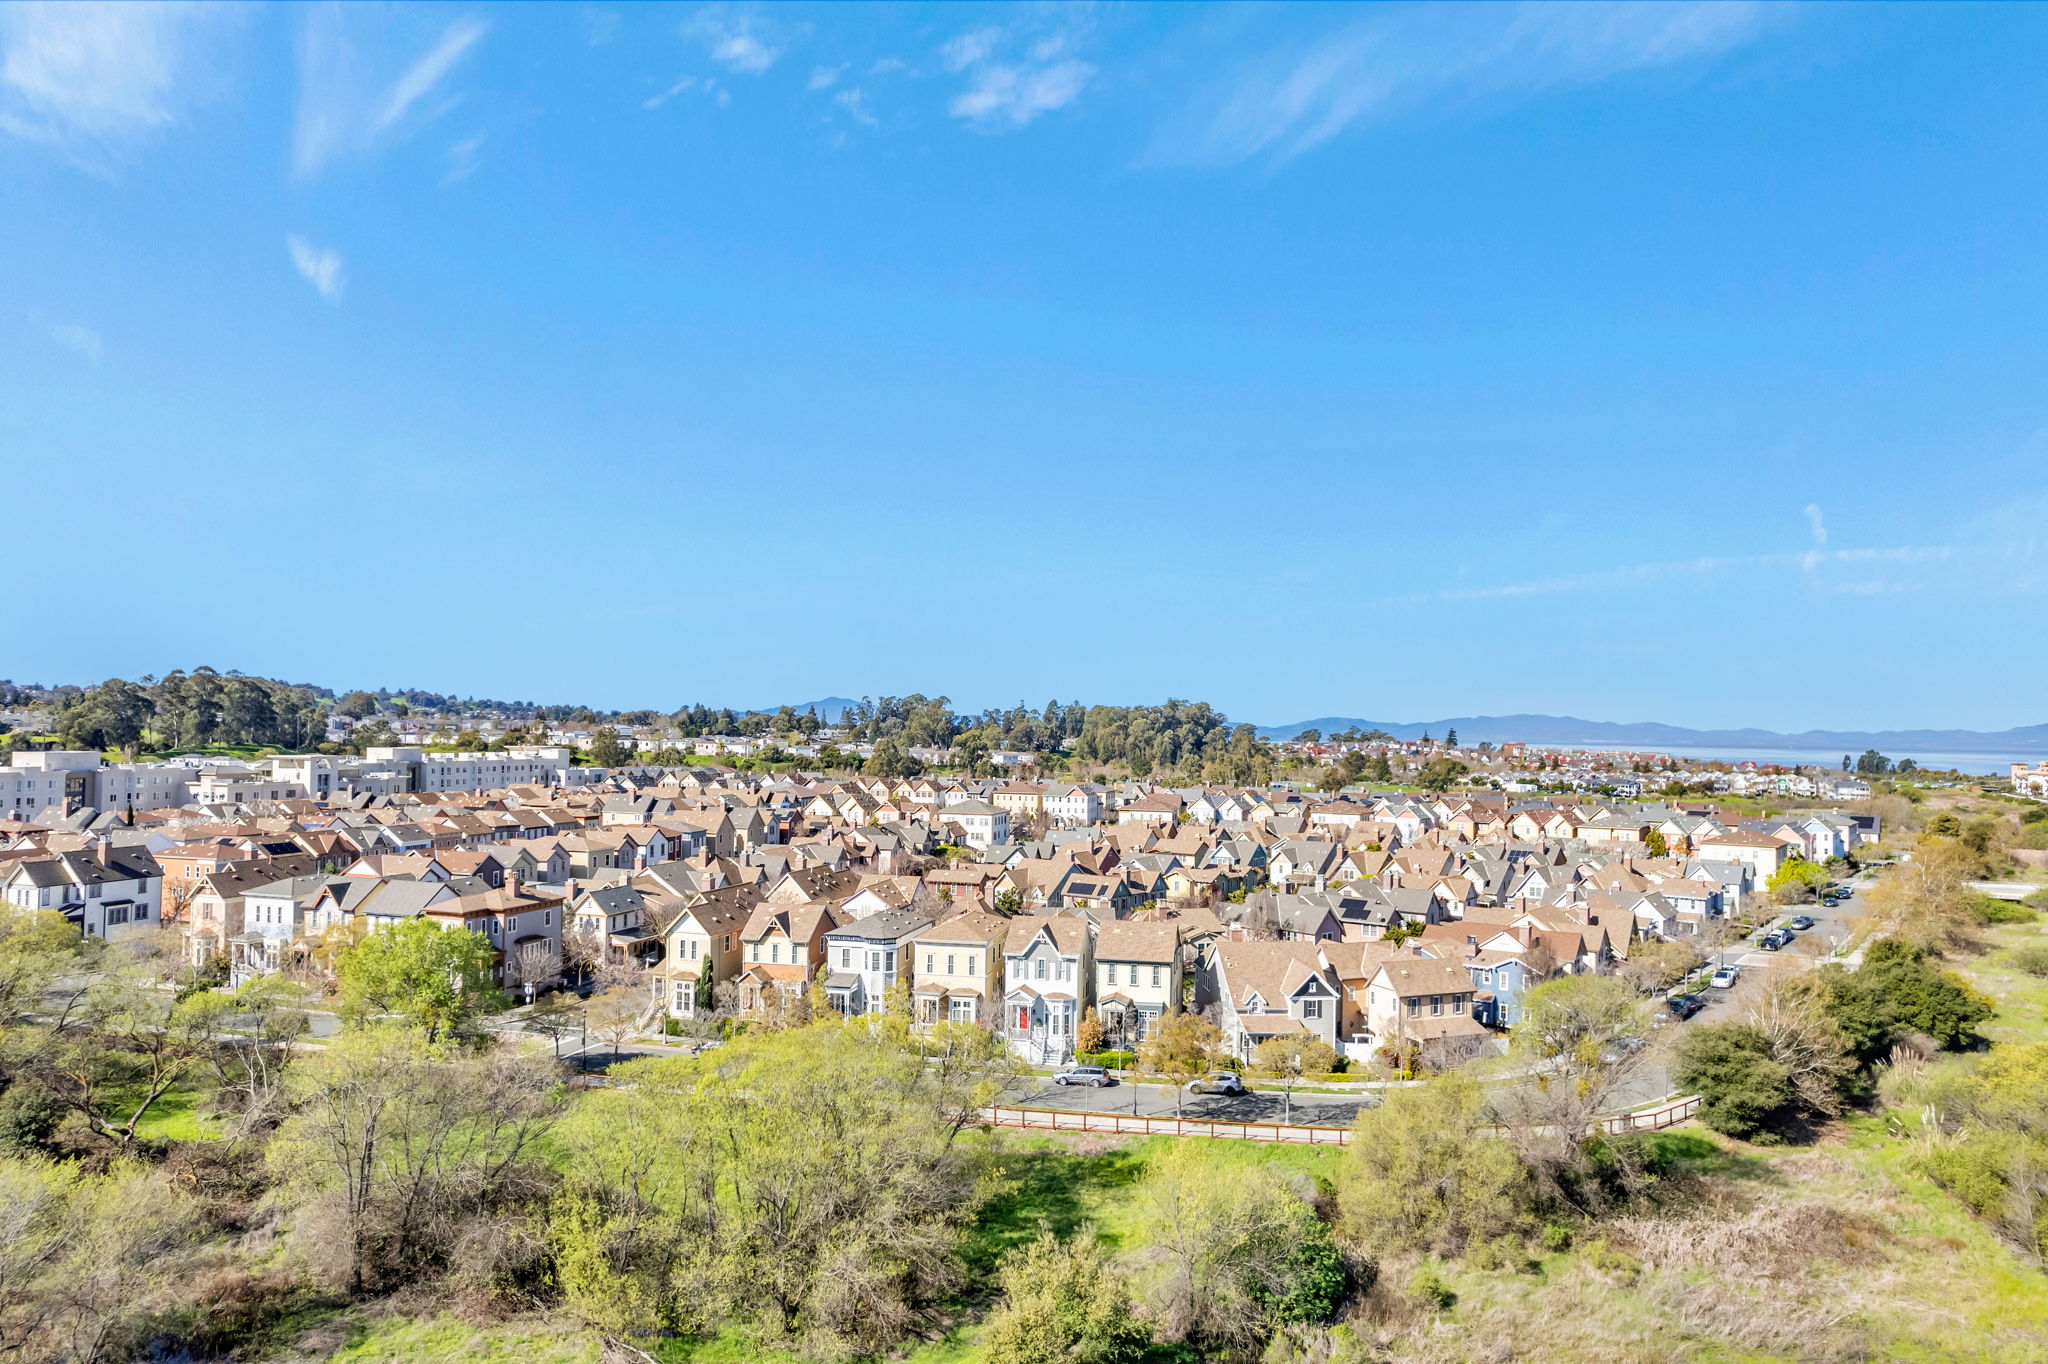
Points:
(1725, 977)
(1093, 1076)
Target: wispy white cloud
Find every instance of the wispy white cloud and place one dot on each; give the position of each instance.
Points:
(462, 159)
(1006, 94)
(600, 25)
(1404, 58)
(74, 336)
(421, 78)
(94, 79)
(823, 76)
(319, 266)
(738, 39)
(360, 92)
(856, 105)
(970, 47)
(704, 85)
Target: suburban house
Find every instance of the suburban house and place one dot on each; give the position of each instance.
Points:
(959, 968)
(106, 892)
(703, 940)
(1138, 974)
(1046, 972)
(1422, 1002)
(865, 959)
(1266, 989)
(784, 945)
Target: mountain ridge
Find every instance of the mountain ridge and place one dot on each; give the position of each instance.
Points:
(1569, 729)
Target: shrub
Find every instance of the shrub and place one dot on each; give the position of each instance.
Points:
(1557, 1237)
(1419, 1175)
(1992, 910)
(1898, 992)
(1430, 1292)
(1729, 1065)
(1063, 1303)
(1112, 1060)
(2031, 958)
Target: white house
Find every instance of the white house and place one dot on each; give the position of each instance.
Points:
(865, 959)
(1046, 968)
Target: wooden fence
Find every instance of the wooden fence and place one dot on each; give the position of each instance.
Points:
(1131, 1124)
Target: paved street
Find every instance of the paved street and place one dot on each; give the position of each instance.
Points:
(1266, 1103)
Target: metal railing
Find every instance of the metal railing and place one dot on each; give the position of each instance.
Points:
(1655, 1119)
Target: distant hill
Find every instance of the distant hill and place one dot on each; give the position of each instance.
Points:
(829, 708)
(1566, 729)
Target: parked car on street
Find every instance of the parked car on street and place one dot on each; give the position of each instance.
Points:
(1801, 923)
(1093, 1076)
(1725, 977)
(1217, 1082)
(1684, 1006)
(1777, 938)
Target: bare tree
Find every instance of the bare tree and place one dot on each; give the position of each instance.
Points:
(533, 966)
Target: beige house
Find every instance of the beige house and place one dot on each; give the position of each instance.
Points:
(782, 948)
(703, 938)
(958, 966)
(1422, 1001)
(1138, 972)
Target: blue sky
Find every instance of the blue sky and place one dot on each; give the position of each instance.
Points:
(1634, 362)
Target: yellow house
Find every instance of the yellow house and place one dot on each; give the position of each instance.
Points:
(958, 966)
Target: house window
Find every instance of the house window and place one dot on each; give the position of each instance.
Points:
(775, 953)
(1158, 976)
(846, 958)
(683, 992)
(1040, 973)
(930, 963)
(949, 964)
(1311, 1008)
(1112, 973)
(1436, 1004)
(960, 1010)
(1458, 1003)
(1414, 1005)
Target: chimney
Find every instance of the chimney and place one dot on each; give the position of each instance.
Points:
(512, 883)
(103, 851)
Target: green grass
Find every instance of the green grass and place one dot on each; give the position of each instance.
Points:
(174, 1117)
(2022, 999)
(445, 1340)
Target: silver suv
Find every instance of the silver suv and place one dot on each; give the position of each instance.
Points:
(1094, 1076)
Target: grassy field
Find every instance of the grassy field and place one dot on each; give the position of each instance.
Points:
(2022, 999)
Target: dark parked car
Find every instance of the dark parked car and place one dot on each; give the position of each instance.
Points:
(1684, 1006)
(1094, 1076)
(1776, 939)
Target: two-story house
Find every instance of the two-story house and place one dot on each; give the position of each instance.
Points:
(702, 941)
(958, 963)
(864, 960)
(1265, 989)
(1420, 1002)
(1047, 963)
(105, 891)
(1138, 976)
(783, 947)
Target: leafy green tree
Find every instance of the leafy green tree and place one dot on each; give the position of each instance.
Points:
(1420, 1175)
(1441, 774)
(1235, 1258)
(1657, 844)
(356, 705)
(1896, 993)
(803, 1183)
(1179, 1047)
(890, 759)
(438, 979)
(1729, 1065)
(1064, 1302)
(606, 750)
(1798, 881)
(1378, 769)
